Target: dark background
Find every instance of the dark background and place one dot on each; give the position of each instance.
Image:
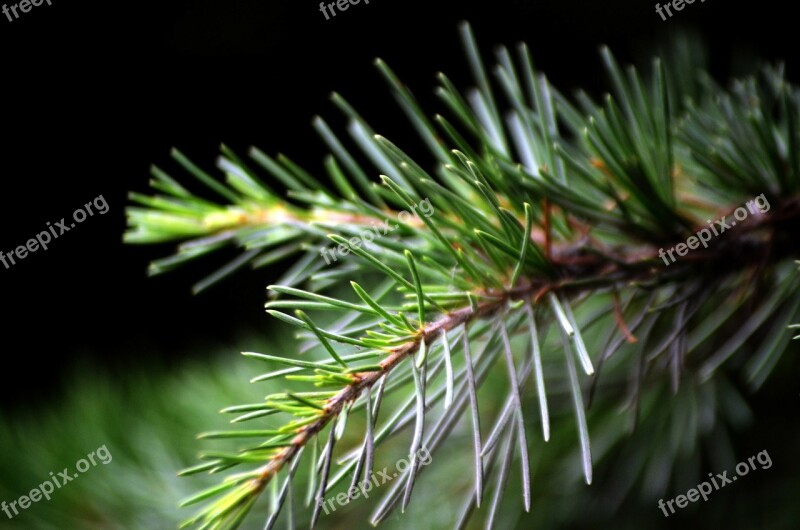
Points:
(93, 93)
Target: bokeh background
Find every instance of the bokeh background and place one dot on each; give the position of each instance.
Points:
(94, 352)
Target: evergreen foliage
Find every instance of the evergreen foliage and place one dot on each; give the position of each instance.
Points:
(540, 264)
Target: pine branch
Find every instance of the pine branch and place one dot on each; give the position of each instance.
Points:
(363, 381)
(547, 216)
